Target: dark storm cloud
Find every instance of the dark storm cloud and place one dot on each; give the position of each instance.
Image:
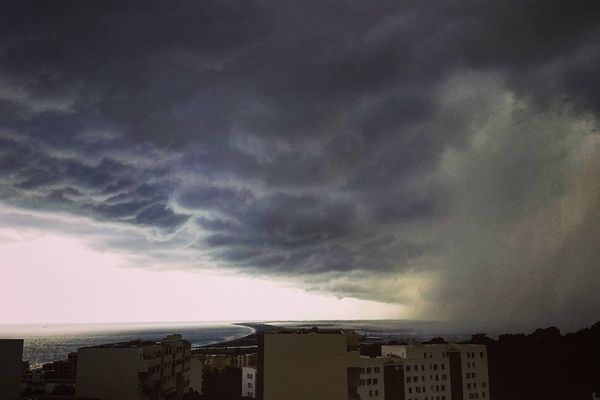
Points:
(309, 139)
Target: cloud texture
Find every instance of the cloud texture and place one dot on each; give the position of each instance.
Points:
(445, 157)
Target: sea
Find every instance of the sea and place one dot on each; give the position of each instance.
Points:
(44, 343)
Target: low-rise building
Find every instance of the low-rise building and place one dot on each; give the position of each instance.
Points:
(62, 369)
(137, 370)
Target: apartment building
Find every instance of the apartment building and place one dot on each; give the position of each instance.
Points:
(307, 364)
(371, 378)
(442, 371)
(249, 382)
(137, 370)
(11, 361)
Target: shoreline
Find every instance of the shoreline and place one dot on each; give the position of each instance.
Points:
(242, 344)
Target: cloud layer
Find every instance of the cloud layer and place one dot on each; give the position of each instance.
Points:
(445, 158)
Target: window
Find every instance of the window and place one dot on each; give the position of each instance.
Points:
(481, 354)
(369, 370)
(437, 377)
(376, 369)
(370, 393)
(443, 387)
(408, 379)
(375, 381)
(408, 368)
(409, 390)
(249, 385)
(483, 395)
(415, 379)
(468, 386)
(443, 366)
(362, 382)
(368, 381)
(376, 392)
(423, 367)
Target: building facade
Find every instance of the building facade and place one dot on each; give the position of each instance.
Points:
(249, 382)
(300, 365)
(135, 370)
(371, 378)
(442, 371)
(11, 362)
(196, 373)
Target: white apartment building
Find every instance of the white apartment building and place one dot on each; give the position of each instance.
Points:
(371, 378)
(135, 370)
(11, 356)
(442, 371)
(249, 382)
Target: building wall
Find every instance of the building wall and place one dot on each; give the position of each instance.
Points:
(249, 382)
(110, 374)
(371, 378)
(394, 381)
(196, 369)
(303, 366)
(475, 380)
(444, 371)
(11, 356)
(134, 371)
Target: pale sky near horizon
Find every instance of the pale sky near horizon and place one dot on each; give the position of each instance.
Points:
(300, 160)
(56, 279)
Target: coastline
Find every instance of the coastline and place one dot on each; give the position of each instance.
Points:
(242, 344)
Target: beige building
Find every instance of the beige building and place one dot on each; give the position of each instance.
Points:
(196, 373)
(300, 365)
(442, 371)
(371, 384)
(11, 357)
(135, 370)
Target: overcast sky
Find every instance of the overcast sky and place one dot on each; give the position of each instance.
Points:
(367, 159)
